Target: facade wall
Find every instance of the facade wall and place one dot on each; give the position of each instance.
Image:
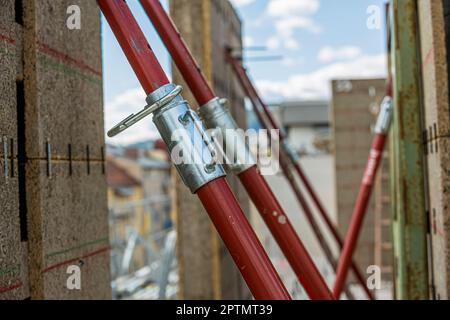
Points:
(56, 209)
(14, 282)
(434, 21)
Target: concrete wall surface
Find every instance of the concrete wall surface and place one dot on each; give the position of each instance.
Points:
(53, 202)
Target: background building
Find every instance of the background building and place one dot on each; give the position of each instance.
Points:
(355, 107)
(141, 221)
(307, 124)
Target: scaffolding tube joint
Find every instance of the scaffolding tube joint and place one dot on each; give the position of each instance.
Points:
(191, 149)
(216, 115)
(148, 110)
(385, 116)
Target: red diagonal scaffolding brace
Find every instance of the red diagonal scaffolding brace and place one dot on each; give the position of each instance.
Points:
(256, 186)
(268, 121)
(216, 195)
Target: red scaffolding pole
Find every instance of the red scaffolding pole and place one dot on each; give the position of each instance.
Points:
(256, 186)
(365, 190)
(268, 121)
(216, 195)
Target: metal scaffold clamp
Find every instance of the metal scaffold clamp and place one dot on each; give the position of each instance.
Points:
(191, 149)
(237, 155)
(148, 110)
(385, 116)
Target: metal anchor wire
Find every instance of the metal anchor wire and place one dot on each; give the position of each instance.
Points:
(135, 118)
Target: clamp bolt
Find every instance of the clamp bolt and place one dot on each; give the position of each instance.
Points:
(210, 168)
(184, 119)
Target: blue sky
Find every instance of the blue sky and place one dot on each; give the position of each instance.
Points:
(319, 40)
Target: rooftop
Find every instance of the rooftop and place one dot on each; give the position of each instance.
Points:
(303, 112)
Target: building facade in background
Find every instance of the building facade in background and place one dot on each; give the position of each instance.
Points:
(141, 222)
(307, 124)
(355, 106)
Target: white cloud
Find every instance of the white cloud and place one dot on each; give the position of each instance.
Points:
(248, 41)
(241, 3)
(124, 104)
(283, 8)
(290, 62)
(328, 54)
(273, 43)
(316, 85)
(287, 25)
(291, 15)
(292, 44)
